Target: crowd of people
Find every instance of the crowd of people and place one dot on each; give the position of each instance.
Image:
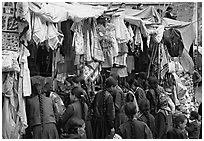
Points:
(136, 109)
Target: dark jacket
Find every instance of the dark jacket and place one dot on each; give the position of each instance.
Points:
(141, 129)
(163, 122)
(175, 133)
(103, 115)
(139, 94)
(73, 116)
(193, 130)
(33, 111)
(119, 101)
(151, 120)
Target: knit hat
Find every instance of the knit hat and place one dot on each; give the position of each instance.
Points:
(110, 81)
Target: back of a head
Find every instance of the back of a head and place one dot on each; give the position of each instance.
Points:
(129, 97)
(152, 80)
(36, 89)
(178, 119)
(77, 91)
(115, 76)
(144, 105)
(130, 109)
(110, 81)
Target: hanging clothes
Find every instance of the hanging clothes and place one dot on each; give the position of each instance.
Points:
(97, 53)
(138, 38)
(43, 30)
(122, 34)
(67, 47)
(87, 40)
(25, 72)
(78, 41)
(106, 43)
(44, 60)
(121, 60)
(130, 64)
(53, 36)
(9, 108)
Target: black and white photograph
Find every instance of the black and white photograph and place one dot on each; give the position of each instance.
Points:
(101, 70)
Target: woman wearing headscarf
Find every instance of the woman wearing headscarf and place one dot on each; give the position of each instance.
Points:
(41, 115)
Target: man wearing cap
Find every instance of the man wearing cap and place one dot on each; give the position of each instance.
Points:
(104, 111)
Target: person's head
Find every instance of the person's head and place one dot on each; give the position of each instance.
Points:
(139, 6)
(153, 83)
(132, 84)
(122, 5)
(129, 97)
(76, 94)
(193, 115)
(141, 77)
(159, 11)
(130, 109)
(180, 121)
(36, 89)
(144, 105)
(48, 87)
(110, 84)
(169, 9)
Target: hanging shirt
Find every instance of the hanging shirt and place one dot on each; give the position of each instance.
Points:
(26, 74)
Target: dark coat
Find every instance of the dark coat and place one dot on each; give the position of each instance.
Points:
(193, 130)
(119, 101)
(33, 111)
(141, 129)
(49, 130)
(151, 120)
(139, 94)
(72, 118)
(175, 133)
(163, 122)
(103, 117)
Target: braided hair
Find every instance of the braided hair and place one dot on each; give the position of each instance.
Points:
(37, 91)
(144, 107)
(130, 111)
(78, 92)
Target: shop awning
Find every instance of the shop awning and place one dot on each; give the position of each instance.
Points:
(60, 11)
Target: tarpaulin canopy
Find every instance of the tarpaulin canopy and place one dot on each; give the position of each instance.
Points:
(148, 15)
(60, 11)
